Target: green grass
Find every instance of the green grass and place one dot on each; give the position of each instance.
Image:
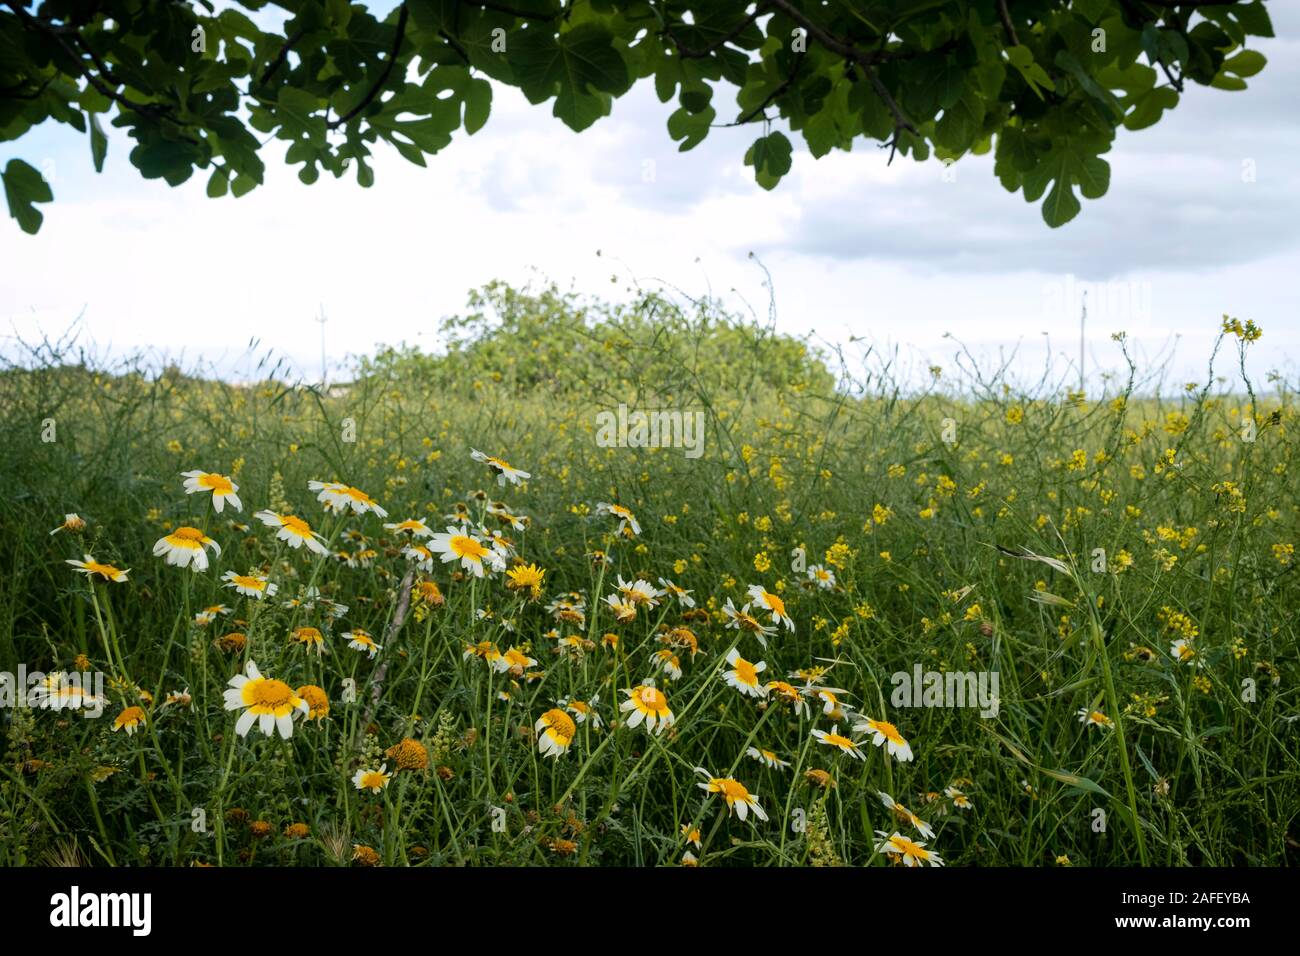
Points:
(935, 545)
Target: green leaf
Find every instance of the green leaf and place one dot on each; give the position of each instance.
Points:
(298, 114)
(960, 123)
(478, 104)
(689, 128)
(1150, 106)
(218, 183)
(1245, 63)
(24, 187)
(583, 69)
(1074, 780)
(98, 143)
(771, 157)
(1022, 58)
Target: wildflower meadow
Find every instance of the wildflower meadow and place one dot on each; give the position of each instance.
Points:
(647, 585)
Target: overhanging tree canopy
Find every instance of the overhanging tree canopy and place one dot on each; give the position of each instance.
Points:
(1045, 84)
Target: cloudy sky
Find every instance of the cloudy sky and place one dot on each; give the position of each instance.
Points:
(858, 251)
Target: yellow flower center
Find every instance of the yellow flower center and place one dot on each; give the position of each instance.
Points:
(775, 603)
(463, 546)
(908, 848)
(745, 672)
(889, 730)
(217, 483)
(244, 581)
(650, 698)
(733, 791)
(560, 724)
(268, 696)
(372, 778)
(296, 525)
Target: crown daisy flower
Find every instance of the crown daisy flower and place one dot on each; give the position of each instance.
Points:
(739, 799)
(209, 614)
(73, 523)
(905, 851)
(810, 676)
(513, 661)
(129, 720)
(338, 498)
(318, 702)
(583, 711)
(411, 527)
(457, 544)
(627, 523)
(556, 730)
(681, 637)
(421, 555)
(310, 638)
(179, 698)
(683, 596)
(483, 649)
(886, 734)
(832, 706)
(669, 663)
(184, 547)
(1182, 651)
(624, 610)
(502, 468)
(60, 690)
(833, 738)
(744, 675)
(498, 542)
(408, 754)
(293, 531)
(742, 620)
(268, 703)
(569, 609)
(638, 592)
(907, 816)
(503, 514)
(1094, 718)
(221, 487)
(360, 640)
(772, 603)
(767, 758)
(647, 703)
(526, 577)
(788, 694)
(958, 798)
(91, 568)
(428, 593)
(824, 578)
(691, 834)
(372, 780)
(250, 585)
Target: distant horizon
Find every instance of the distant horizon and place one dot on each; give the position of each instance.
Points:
(1171, 364)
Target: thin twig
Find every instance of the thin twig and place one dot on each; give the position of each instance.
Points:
(394, 625)
(282, 55)
(851, 53)
(1006, 22)
(383, 77)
